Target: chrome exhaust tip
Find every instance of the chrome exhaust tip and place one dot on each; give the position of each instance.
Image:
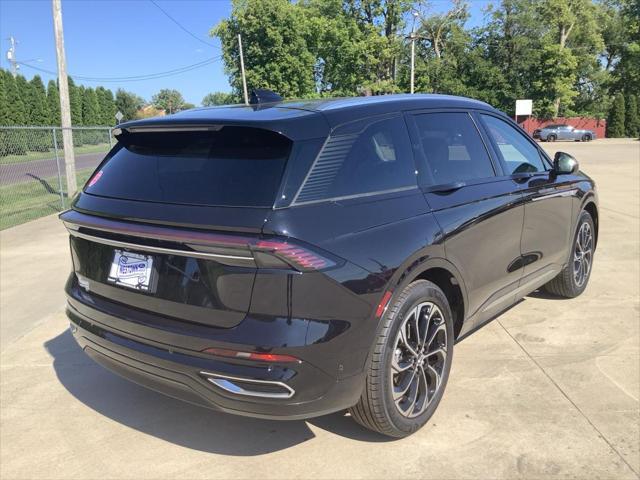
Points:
(249, 387)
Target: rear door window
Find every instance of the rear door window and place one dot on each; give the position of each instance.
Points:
(369, 156)
(234, 166)
(453, 148)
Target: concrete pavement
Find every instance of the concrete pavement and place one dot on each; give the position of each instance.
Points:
(548, 390)
(34, 264)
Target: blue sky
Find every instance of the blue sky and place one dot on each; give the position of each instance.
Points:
(116, 38)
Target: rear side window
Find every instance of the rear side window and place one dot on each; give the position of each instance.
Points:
(518, 153)
(235, 166)
(453, 148)
(362, 157)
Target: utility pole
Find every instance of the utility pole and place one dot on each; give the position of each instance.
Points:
(11, 56)
(413, 61)
(244, 78)
(65, 110)
(413, 50)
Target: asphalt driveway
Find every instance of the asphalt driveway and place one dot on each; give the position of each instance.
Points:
(12, 173)
(550, 389)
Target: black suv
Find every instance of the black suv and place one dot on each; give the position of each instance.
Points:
(288, 260)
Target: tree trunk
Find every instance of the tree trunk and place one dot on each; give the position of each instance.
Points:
(565, 31)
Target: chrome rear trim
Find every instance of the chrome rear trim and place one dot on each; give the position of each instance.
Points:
(226, 383)
(168, 251)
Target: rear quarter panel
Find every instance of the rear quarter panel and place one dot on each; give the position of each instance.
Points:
(378, 237)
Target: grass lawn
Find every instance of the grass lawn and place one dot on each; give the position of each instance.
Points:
(31, 156)
(27, 201)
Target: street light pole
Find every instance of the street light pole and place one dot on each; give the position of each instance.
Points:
(413, 50)
(244, 78)
(413, 60)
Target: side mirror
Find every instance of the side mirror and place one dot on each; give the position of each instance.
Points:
(563, 163)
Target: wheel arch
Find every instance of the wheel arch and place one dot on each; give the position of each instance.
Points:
(446, 276)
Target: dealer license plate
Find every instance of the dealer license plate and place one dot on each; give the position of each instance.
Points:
(132, 270)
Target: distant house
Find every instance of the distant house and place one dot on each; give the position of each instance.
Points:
(148, 111)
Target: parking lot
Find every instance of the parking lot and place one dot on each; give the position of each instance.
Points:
(550, 389)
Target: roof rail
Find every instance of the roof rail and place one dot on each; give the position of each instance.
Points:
(260, 96)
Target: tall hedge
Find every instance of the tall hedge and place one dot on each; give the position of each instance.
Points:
(632, 121)
(53, 103)
(16, 113)
(616, 120)
(4, 107)
(38, 108)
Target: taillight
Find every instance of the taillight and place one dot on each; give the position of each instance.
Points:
(295, 255)
(268, 253)
(256, 356)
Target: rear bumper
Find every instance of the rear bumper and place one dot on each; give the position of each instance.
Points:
(302, 390)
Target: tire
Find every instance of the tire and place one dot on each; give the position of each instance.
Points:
(586, 138)
(551, 138)
(569, 283)
(377, 409)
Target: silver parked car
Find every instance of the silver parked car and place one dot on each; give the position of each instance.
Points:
(551, 133)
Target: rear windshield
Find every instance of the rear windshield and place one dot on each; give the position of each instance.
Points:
(234, 166)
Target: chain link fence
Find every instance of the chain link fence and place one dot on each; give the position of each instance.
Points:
(32, 170)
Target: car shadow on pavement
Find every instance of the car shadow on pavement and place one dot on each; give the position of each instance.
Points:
(182, 423)
(544, 295)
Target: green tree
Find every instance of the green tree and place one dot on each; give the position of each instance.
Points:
(441, 45)
(509, 45)
(128, 104)
(616, 120)
(4, 106)
(90, 112)
(106, 106)
(352, 55)
(75, 103)
(24, 91)
(572, 41)
(171, 101)
(632, 121)
(276, 53)
(381, 23)
(554, 82)
(17, 112)
(53, 103)
(38, 111)
(219, 98)
(626, 72)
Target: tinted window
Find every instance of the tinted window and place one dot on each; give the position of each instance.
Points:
(453, 148)
(518, 153)
(235, 166)
(362, 157)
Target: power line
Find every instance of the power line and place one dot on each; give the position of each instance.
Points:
(133, 78)
(184, 29)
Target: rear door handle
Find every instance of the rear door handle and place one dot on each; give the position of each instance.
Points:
(445, 187)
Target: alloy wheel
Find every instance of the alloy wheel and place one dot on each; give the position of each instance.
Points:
(419, 358)
(583, 254)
